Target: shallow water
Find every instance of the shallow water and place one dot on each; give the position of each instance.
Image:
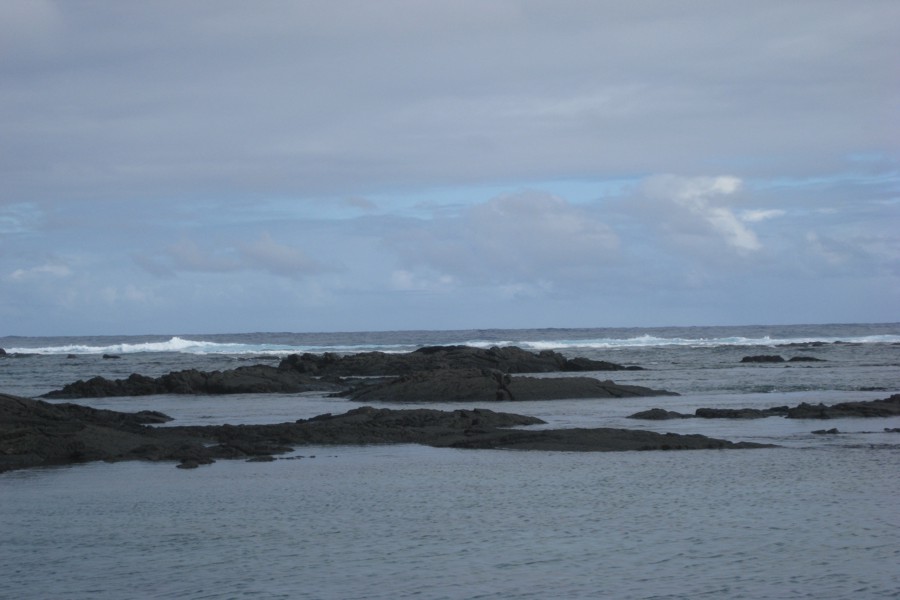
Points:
(814, 518)
(413, 522)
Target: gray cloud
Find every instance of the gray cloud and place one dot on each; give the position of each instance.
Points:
(525, 238)
(263, 254)
(166, 98)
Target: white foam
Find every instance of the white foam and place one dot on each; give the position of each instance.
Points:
(188, 346)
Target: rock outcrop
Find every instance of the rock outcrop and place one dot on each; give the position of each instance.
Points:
(659, 414)
(36, 433)
(325, 372)
(258, 379)
(887, 407)
(763, 358)
(776, 358)
(485, 385)
(509, 359)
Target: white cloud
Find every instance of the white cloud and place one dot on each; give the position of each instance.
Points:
(701, 197)
(50, 270)
(755, 216)
(17, 218)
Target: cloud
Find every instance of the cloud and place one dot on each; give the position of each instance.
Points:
(18, 218)
(700, 198)
(280, 259)
(225, 155)
(263, 254)
(755, 216)
(360, 203)
(186, 255)
(529, 237)
(173, 100)
(28, 29)
(48, 270)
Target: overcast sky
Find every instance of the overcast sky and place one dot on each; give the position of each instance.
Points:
(222, 166)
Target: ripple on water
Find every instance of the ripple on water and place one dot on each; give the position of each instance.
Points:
(405, 521)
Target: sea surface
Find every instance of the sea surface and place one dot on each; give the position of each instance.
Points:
(816, 517)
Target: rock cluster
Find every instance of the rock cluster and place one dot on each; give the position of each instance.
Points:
(510, 359)
(36, 433)
(480, 385)
(248, 379)
(887, 407)
(777, 358)
(432, 374)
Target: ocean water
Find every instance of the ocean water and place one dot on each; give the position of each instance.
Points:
(816, 517)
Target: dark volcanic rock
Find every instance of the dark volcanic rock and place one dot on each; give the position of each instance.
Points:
(740, 413)
(599, 440)
(242, 380)
(484, 385)
(763, 358)
(506, 359)
(36, 433)
(887, 407)
(805, 359)
(2, 352)
(322, 372)
(658, 414)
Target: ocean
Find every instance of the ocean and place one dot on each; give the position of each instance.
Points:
(816, 517)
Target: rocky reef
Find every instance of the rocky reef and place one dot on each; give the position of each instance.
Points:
(432, 374)
(483, 385)
(36, 433)
(887, 407)
(777, 358)
(508, 359)
(259, 379)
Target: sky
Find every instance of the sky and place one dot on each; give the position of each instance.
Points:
(216, 166)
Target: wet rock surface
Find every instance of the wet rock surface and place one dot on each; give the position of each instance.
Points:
(777, 358)
(447, 368)
(887, 407)
(37, 433)
(483, 385)
(260, 379)
(509, 359)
